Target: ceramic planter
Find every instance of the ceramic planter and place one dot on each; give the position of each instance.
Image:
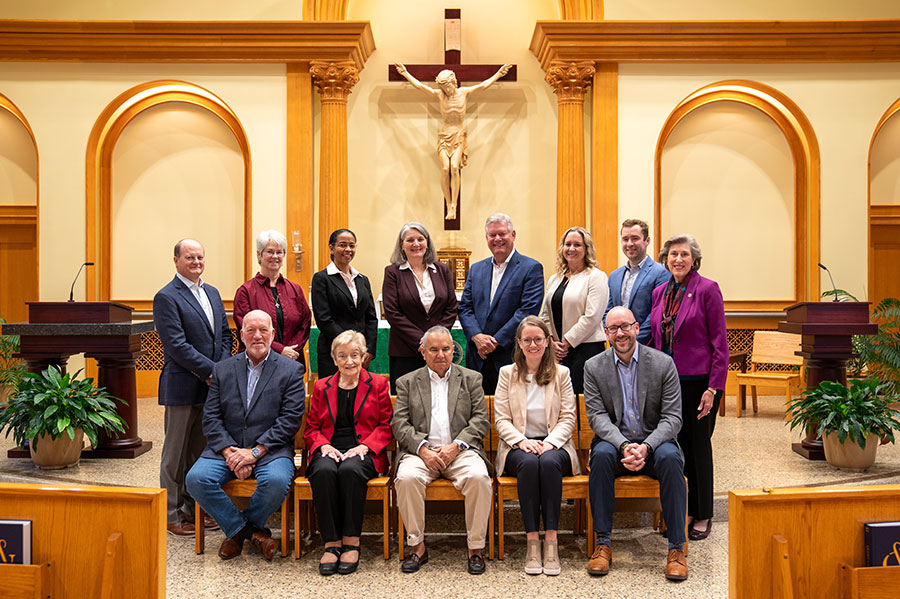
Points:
(57, 454)
(849, 455)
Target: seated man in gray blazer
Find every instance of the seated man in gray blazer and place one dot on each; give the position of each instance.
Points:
(633, 402)
(440, 420)
(252, 413)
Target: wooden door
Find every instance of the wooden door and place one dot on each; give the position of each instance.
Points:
(18, 268)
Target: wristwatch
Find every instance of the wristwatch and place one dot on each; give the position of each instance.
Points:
(255, 452)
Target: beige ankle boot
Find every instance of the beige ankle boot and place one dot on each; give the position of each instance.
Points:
(551, 558)
(533, 557)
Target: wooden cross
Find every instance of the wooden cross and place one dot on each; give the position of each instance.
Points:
(464, 72)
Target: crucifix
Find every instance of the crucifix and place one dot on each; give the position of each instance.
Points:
(452, 145)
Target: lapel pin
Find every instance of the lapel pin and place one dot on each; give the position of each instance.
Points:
(690, 295)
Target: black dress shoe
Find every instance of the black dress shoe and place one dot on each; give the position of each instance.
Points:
(414, 562)
(699, 535)
(476, 564)
(349, 567)
(332, 567)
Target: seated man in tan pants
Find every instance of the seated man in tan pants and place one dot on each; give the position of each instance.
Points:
(440, 419)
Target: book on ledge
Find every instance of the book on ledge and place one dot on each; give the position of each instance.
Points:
(15, 542)
(882, 543)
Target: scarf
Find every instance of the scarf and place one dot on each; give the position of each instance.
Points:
(671, 304)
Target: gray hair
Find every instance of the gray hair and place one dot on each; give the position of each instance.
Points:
(265, 237)
(436, 329)
(398, 256)
(679, 239)
(349, 337)
(499, 217)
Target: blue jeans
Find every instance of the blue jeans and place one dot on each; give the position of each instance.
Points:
(273, 480)
(665, 464)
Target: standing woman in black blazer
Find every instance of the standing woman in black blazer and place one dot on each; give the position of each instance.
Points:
(418, 293)
(342, 300)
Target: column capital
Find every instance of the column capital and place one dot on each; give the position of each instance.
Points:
(570, 80)
(334, 80)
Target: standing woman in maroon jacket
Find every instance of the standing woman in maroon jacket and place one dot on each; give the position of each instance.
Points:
(418, 293)
(688, 323)
(280, 298)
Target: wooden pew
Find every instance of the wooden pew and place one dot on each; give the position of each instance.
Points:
(105, 542)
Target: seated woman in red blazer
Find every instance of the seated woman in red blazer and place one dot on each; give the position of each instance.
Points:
(348, 428)
(688, 323)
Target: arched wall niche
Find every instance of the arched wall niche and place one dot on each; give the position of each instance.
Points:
(336, 10)
(106, 132)
(19, 216)
(884, 206)
(804, 150)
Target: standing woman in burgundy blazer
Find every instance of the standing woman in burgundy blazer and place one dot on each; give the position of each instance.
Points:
(280, 298)
(348, 429)
(418, 293)
(688, 323)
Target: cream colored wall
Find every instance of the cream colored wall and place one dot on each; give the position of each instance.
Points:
(758, 9)
(843, 104)
(727, 159)
(394, 169)
(213, 10)
(885, 170)
(18, 163)
(177, 172)
(62, 102)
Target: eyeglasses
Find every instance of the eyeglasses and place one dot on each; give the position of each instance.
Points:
(273, 252)
(529, 340)
(624, 328)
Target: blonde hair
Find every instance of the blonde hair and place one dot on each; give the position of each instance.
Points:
(590, 254)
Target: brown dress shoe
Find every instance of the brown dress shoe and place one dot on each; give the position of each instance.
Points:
(266, 544)
(600, 561)
(676, 565)
(181, 529)
(209, 523)
(231, 547)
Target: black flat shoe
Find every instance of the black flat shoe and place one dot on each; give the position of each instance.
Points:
(475, 564)
(332, 567)
(414, 562)
(699, 535)
(348, 567)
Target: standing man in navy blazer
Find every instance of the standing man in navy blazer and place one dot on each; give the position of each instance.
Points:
(192, 326)
(500, 291)
(632, 285)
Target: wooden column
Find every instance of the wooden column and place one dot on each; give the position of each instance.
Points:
(570, 80)
(334, 80)
(300, 177)
(605, 166)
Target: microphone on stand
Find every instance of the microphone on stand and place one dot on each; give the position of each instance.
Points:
(72, 290)
(822, 266)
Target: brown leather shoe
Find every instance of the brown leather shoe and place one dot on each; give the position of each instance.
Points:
(209, 523)
(266, 544)
(676, 565)
(181, 529)
(231, 547)
(600, 561)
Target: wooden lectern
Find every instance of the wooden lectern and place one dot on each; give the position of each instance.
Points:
(826, 329)
(103, 331)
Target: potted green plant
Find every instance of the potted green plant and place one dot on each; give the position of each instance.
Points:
(850, 420)
(11, 368)
(53, 412)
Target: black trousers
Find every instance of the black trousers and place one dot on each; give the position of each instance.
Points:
(339, 494)
(576, 358)
(400, 365)
(539, 485)
(695, 440)
(490, 374)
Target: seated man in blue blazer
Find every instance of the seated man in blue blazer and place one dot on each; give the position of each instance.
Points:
(632, 285)
(500, 291)
(252, 413)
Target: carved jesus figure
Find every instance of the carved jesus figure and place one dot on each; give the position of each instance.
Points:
(452, 145)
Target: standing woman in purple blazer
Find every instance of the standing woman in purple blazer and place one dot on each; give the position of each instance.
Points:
(418, 293)
(688, 323)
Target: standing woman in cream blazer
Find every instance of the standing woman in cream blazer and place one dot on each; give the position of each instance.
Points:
(574, 303)
(534, 412)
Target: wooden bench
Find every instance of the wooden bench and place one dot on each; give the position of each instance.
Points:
(771, 347)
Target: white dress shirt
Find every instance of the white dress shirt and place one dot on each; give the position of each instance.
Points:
(350, 280)
(201, 297)
(439, 432)
(497, 273)
(425, 286)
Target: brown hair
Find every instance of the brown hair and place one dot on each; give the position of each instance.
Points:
(630, 222)
(547, 368)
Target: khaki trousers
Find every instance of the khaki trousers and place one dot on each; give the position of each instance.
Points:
(468, 474)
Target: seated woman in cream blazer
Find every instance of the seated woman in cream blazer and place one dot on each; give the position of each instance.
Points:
(534, 412)
(574, 304)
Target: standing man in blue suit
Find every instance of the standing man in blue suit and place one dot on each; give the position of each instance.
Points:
(500, 291)
(192, 326)
(632, 285)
